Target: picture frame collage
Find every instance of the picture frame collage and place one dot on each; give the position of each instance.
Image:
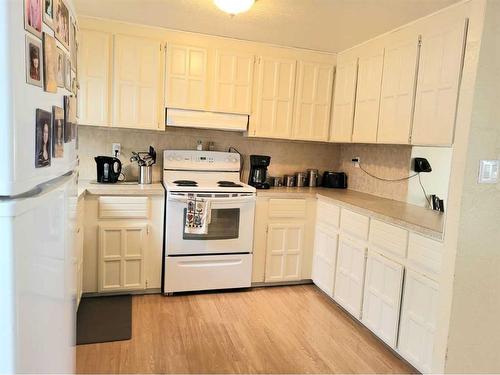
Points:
(51, 64)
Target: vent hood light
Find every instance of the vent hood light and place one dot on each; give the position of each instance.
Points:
(234, 6)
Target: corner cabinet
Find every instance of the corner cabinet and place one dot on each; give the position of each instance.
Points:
(274, 99)
(121, 256)
(186, 77)
(313, 101)
(137, 82)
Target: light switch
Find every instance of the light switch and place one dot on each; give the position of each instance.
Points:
(488, 171)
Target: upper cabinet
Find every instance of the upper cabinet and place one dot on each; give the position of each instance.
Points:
(233, 82)
(398, 86)
(94, 62)
(186, 80)
(273, 112)
(313, 101)
(137, 83)
(345, 96)
(370, 65)
(440, 69)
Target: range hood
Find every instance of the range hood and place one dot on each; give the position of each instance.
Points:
(206, 120)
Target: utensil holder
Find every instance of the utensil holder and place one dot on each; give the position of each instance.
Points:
(145, 174)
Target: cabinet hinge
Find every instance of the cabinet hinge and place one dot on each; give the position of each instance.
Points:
(420, 40)
(147, 230)
(146, 283)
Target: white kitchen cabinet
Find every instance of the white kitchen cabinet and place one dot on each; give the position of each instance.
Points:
(350, 274)
(284, 252)
(137, 82)
(418, 320)
(398, 86)
(80, 214)
(370, 65)
(344, 97)
(94, 75)
(186, 78)
(325, 257)
(274, 101)
(121, 256)
(382, 297)
(313, 101)
(439, 74)
(233, 82)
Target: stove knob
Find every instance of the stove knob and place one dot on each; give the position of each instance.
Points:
(234, 160)
(178, 158)
(170, 158)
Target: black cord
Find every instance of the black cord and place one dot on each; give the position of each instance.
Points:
(242, 160)
(423, 189)
(387, 179)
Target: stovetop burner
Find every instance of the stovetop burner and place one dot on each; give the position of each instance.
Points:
(185, 183)
(228, 184)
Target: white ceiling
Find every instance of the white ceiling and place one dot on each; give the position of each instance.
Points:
(327, 25)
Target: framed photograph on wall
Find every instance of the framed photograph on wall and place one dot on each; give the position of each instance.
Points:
(73, 43)
(61, 22)
(48, 13)
(34, 61)
(49, 63)
(33, 17)
(67, 72)
(61, 68)
(57, 132)
(42, 138)
(67, 121)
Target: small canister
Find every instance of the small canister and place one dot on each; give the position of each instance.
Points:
(288, 180)
(312, 177)
(277, 182)
(145, 174)
(300, 179)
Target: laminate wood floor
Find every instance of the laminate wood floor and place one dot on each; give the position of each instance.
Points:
(292, 329)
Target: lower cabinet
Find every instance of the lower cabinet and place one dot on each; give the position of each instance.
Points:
(418, 320)
(121, 256)
(79, 249)
(382, 297)
(325, 257)
(284, 252)
(349, 278)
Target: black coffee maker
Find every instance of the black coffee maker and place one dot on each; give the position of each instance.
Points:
(108, 169)
(258, 171)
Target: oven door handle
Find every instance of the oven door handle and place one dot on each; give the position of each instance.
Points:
(245, 199)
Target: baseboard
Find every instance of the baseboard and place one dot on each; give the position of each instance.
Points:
(120, 293)
(282, 283)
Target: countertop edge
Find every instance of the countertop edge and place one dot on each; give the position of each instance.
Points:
(86, 187)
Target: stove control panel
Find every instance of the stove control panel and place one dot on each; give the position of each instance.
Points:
(201, 160)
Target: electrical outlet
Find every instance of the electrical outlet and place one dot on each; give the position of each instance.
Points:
(116, 149)
(488, 171)
(355, 161)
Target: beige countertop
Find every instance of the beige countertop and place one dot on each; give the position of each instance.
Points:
(418, 219)
(120, 188)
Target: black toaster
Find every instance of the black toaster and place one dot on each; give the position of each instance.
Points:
(337, 180)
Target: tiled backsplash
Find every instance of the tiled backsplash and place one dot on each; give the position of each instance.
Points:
(286, 156)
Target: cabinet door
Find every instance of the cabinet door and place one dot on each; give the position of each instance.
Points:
(440, 67)
(137, 83)
(382, 296)
(121, 256)
(418, 320)
(186, 81)
(274, 99)
(233, 82)
(344, 100)
(398, 87)
(349, 278)
(325, 257)
(284, 252)
(370, 64)
(94, 62)
(313, 102)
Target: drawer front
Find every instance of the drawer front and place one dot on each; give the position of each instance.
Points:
(354, 224)
(123, 207)
(389, 238)
(328, 213)
(425, 254)
(292, 208)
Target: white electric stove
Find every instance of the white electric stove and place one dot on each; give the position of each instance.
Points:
(222, 257)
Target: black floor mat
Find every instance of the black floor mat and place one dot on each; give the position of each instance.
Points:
(104, 319)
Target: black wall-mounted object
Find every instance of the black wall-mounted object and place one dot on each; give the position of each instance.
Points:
(421, 165)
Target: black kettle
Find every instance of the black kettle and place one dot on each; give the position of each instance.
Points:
(108, 169)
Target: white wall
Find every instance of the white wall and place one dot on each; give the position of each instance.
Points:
(435, 182)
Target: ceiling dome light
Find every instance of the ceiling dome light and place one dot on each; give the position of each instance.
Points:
(234, 6)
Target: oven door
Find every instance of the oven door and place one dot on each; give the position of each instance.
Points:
(230, 229)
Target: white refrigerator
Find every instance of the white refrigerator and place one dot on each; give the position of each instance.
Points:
(37, 216)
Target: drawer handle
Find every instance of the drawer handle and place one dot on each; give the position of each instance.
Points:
(209, 263)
